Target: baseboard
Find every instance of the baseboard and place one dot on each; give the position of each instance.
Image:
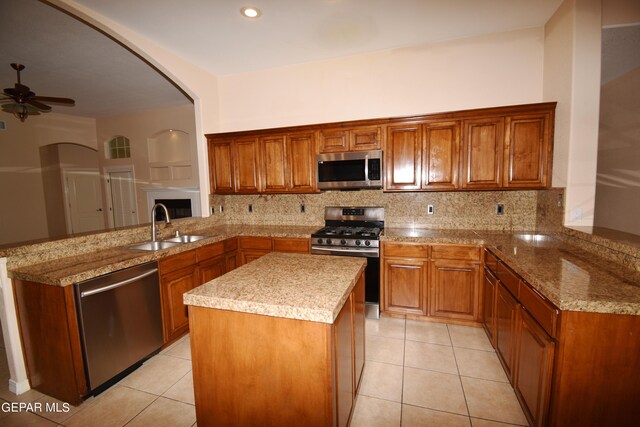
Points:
(19, 387)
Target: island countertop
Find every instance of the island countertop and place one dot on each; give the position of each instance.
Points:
(293, 286)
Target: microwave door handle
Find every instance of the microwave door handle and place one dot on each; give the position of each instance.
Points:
(366, 169)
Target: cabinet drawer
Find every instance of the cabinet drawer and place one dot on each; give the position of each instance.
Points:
(539, 307)
(263, 243)
(510, 280)
(470, 253)
(491, 261)
(230, 245)
(175, 262)
(406, 250)
(291, 245)
(210, 251)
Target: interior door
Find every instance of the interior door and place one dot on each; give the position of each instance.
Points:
(123, 199)
(83, 194)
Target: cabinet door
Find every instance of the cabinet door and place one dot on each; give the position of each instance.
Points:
(454, 289)
(333, 140)
(246, 157)
(505, 328)
(172, 286)
(405, 286)
(232, 261)
(535, 352)
(488, 305)
(482, 153)
(212, 268)
(282, 244)
(441, 155)
(343, 338)
(358, 330)
(403, 158)
(221, 167)
(365, 138)
(250, 255)
(274, 158)
(527, 151)
(301, 161)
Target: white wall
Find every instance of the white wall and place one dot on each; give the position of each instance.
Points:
(490, 70)
(572, 78)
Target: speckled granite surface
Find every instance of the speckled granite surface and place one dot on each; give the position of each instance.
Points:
(293, 286)
(426, 235)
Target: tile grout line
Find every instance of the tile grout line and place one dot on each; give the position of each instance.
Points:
(466, 404)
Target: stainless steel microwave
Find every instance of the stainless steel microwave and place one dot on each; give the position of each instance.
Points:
(359, 169)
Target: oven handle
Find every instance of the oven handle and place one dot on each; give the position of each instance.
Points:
(346, 251)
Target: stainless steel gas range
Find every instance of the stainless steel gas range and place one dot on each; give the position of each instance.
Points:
(354, 231)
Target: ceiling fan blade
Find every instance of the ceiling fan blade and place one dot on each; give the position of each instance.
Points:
(39, 105)
(54, 100)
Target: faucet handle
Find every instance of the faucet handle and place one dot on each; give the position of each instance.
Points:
(177, 233)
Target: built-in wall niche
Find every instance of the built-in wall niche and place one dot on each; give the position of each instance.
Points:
(170, 156)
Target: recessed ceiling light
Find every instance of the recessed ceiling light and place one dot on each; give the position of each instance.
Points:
(250, 12)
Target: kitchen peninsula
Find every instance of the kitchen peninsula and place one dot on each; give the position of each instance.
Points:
(279, 341)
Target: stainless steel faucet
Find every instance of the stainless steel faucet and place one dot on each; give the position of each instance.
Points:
(153, 219)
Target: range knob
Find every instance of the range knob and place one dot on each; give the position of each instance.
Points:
(320, 241)
(328, 241)
(358, 242)
(367, 243)
(343, 242)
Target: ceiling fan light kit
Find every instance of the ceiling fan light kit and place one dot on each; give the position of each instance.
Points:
(20, 101)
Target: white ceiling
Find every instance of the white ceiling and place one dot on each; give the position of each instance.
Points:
(66, 58)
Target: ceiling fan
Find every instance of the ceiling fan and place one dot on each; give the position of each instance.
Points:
(20, 101)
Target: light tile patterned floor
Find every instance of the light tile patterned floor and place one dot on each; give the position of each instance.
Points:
(417, 374)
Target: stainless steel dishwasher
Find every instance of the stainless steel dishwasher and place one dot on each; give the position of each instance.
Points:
(120, 322)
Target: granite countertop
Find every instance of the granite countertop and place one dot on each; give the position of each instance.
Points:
(429, 236)
(293, 286)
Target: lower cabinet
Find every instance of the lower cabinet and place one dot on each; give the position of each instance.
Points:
(252, 248)
(438, 281)
(176, 278)
(506, 306)
(344, 354)
(534, 366)
(358, 331)
(489, 289)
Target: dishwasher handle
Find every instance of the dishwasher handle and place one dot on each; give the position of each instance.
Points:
(117, 284)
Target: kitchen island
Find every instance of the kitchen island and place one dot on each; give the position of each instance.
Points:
(279, 341)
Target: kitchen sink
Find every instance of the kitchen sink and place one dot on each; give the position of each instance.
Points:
(187, 238)
(154, 246)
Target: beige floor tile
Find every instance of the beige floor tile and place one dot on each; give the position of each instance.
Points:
(385, 327)
(492, 400)
(371, 412)
(25, 419)
(433, 357)
(480, 364)
(158, 374)
(413, 416)
(382, 380)
(434, 333)
(433, 390)
(182, 390)
(469, 337)
(56, 410)
(477, 422)
(165, 412)
(28, 396)
(385, 350)
(114, 407)
(181, 349)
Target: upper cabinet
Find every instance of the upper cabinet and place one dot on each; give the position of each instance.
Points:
(272, 163)
(483, 149)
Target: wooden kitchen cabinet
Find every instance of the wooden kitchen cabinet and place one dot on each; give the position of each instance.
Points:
(534, 354)
(528, 151)
(403, 158)
(344, 356)
(358, 138)
(286, 244)
(221, 169)
(506, 309)
(359, 337)
(455, 289)
(247, 163)
(441, 153)
(405, 286)
(274, 157)
(252, 248)
(489, 290)
(178, 274)
(481, 167)
(301, 165)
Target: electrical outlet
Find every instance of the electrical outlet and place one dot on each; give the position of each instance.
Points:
(499, 209)
(250, 208)
(301, 207)
(430, 210)
(213, 210)
(221, 209)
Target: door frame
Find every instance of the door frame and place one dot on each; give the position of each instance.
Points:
(107, 185)
(65, 190)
